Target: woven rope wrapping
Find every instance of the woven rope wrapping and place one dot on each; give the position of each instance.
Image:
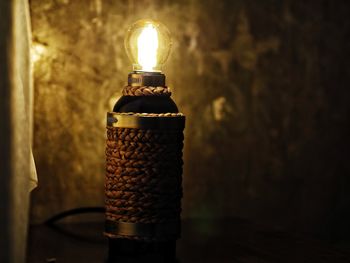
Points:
(143, 177)
(169, 114)
(146, 91)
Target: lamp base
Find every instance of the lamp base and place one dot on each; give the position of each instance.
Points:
(132, 251)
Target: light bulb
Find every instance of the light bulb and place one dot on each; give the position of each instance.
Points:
(147, 45)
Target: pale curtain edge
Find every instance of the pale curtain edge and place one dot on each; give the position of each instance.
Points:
(33, 179)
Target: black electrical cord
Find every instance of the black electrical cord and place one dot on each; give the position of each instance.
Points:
(51, 222)
(76, 211)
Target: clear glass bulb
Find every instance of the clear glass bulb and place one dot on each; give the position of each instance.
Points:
(148, 43)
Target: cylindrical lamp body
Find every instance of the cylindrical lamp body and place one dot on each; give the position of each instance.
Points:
(143, 176)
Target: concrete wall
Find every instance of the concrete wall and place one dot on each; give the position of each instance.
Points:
(263, 84)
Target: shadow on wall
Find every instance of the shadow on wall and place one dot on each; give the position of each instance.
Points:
(267, 114)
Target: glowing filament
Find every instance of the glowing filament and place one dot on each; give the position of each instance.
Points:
(147, 45)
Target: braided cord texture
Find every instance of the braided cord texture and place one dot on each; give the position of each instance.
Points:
(143, 176)
(146, 91)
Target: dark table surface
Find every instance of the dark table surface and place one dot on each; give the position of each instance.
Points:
(214, 241)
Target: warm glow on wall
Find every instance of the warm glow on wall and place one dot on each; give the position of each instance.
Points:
(37, 52)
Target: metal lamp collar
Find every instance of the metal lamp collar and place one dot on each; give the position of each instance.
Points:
(150, 79)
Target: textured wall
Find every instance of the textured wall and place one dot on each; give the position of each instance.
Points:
(263, 86)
